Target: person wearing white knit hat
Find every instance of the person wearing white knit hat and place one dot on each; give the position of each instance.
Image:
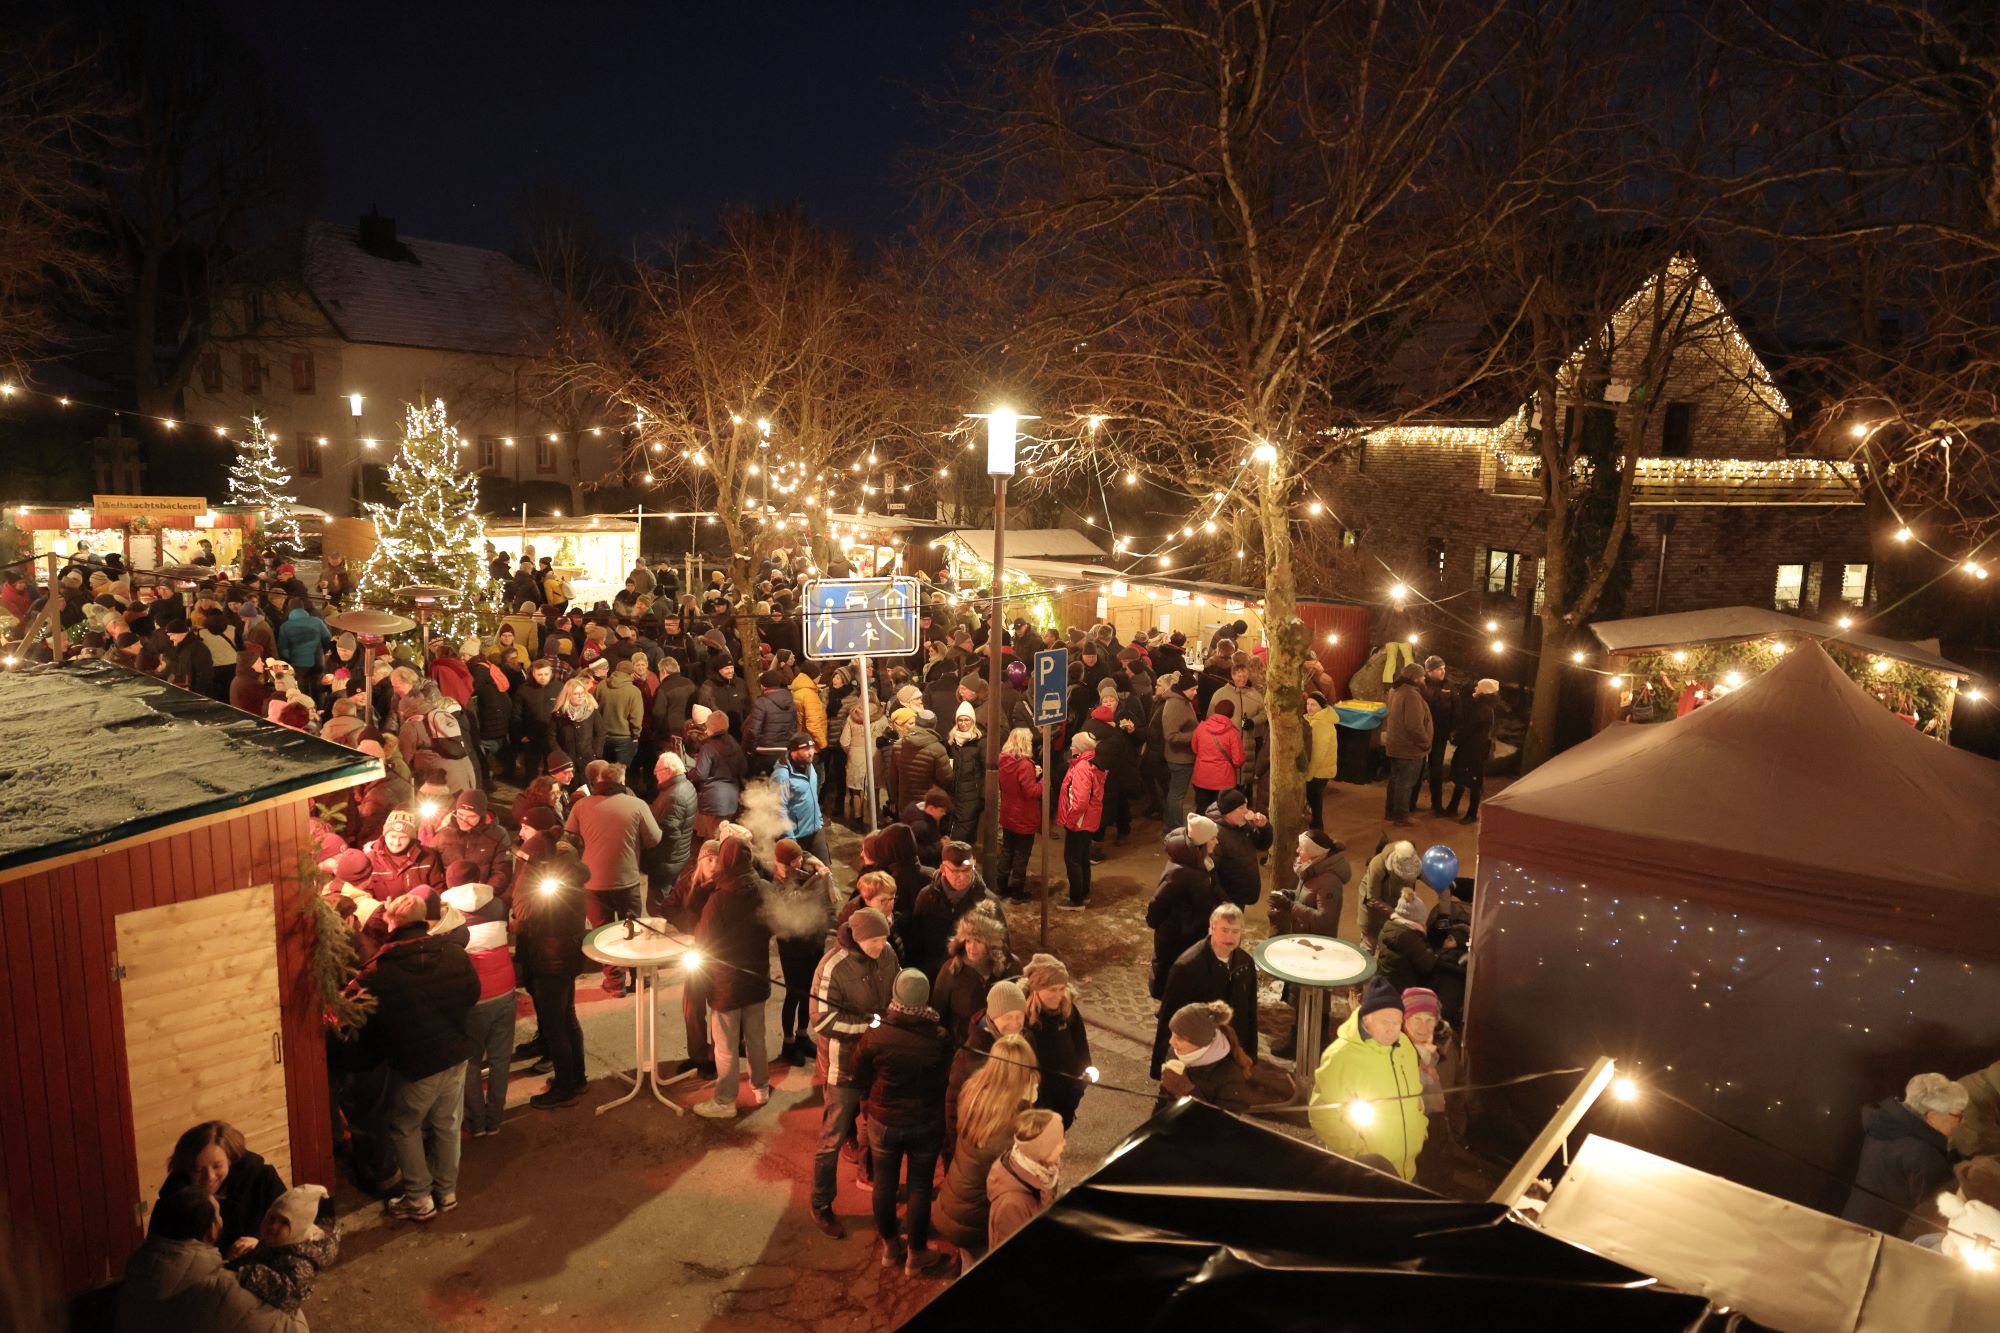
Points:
(1474, 741)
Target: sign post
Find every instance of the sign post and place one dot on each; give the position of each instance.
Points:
(1050, 681)
(868, 739)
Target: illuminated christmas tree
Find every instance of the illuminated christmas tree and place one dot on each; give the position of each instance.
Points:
(257, 479)
(434, 535)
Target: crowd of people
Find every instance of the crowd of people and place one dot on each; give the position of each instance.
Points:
(673, 760)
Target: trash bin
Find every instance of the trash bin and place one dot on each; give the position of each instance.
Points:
(1354, 740)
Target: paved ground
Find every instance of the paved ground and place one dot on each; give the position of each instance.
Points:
(643, 1219)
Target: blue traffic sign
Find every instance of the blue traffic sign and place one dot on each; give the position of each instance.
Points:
(1051, 681)
(862, 618)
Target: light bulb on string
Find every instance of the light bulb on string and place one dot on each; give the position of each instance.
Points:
(1904, 534)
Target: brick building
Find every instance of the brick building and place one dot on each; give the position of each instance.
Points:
(1724, 511)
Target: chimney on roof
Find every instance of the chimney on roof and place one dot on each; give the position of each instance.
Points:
(378, 236)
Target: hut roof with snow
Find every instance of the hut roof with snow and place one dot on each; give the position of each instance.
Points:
(93, 754)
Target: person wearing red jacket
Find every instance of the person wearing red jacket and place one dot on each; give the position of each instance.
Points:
(398, 864)
(450, 673)
(1218, 755)
(1080, 810)
(1020, 813)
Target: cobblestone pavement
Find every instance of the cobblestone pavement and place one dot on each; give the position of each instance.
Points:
(641, 1218)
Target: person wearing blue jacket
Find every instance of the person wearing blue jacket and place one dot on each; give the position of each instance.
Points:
(798, 779)
(303, 640)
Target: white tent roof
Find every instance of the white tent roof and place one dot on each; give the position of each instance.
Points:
(1031, 543)
(1724, 624)
(1783, 1265)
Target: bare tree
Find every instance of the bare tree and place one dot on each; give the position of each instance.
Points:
(756, 367)
(212, 156)
(52, 124)
(1888, 173)
(1223, 212)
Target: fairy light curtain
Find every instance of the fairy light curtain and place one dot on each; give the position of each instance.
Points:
(1779, 907)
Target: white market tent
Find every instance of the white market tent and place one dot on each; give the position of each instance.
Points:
(1729, 624)
(1779, 907)
(1784, 1266)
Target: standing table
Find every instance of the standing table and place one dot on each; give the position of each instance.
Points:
(648, 946)
(1317, 965)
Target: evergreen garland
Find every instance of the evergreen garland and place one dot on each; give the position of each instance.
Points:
(1899, 686)
(257, 479)
(334, 959)
(434, 535)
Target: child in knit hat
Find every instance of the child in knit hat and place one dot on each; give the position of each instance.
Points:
(291, 1249)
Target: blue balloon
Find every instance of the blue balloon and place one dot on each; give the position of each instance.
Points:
(1440, 867)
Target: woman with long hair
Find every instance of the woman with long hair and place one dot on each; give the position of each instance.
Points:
(1055, 1029)
(214, 1158)
(1020, 813)
(574, 724)
(1005, 1085)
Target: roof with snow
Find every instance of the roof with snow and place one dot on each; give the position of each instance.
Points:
(1727, 624)
(1030, 544)
(93, 754)
(418, 293)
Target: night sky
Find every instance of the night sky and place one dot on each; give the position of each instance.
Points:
(439, 112)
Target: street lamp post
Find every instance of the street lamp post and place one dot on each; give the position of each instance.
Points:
(354, 402)
(1001, 424)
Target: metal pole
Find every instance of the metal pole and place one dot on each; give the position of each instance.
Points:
(996, 712)
(1567, 1116)
(868, 735)
(1048, 779)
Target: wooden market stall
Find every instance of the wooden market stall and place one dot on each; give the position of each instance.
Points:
(146, 531)
(156, 962)
(1658, 667)
(596, 551)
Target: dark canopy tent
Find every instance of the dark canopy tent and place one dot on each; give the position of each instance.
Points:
(1776, 908)
(1202, 1221)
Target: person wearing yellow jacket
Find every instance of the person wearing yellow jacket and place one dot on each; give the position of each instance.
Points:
(1368, 1094)
(1322, 755)
(811, 705)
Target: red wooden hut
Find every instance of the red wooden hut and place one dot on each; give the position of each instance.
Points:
(156, 962)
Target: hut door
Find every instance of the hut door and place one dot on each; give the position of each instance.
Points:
(202, 1031)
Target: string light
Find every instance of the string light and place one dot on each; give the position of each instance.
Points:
(1361, 1113)
(1577, 657)
(1903, 534)
(1845, 622)
(1265, 453)
(1499, 647)
(1398, 593)
(1624, 1089)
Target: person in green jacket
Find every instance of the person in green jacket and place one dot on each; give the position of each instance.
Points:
(1368, 1094)
(623, 711)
